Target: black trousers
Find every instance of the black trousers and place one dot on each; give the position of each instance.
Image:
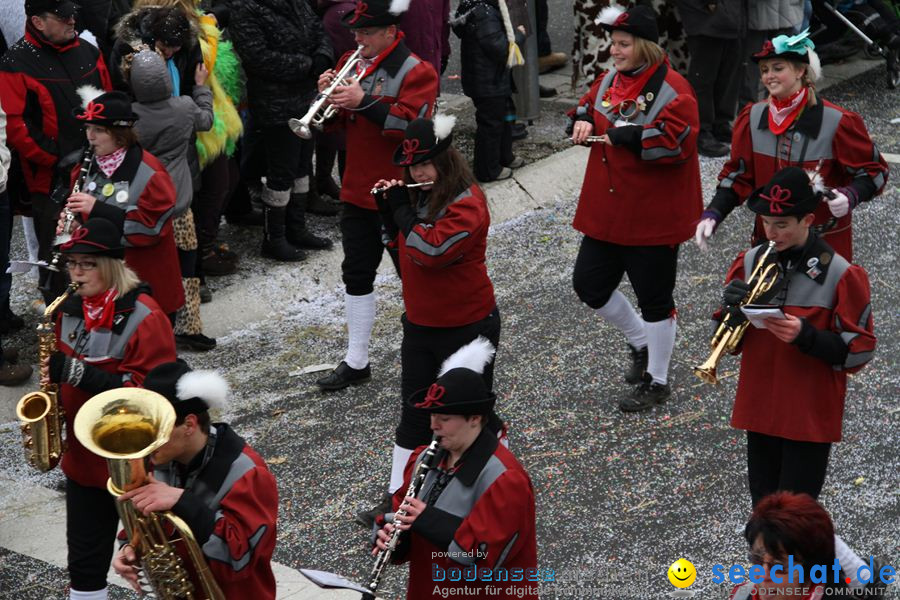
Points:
(651, 270)
(775, 463)
(542, 12)
(493, 136)
(91, 525)
(361, 240)
(218, 182)
(287, 156)
(715, 75)
(422, 352)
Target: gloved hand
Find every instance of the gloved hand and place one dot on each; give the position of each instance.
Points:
(57, 367)
(735, 315)
(705, 229)
(734, 292)
(397, 196)
(838, 204)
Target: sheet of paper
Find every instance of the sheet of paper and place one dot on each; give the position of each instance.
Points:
(758, 313)
(324, 579)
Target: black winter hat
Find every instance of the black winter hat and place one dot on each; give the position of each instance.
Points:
(61, 8)
(112, 109)
(190, 392)
(424, 139)
(97, 236)
(460, 388)
(788, 193)
(639, 20)
(375, 13)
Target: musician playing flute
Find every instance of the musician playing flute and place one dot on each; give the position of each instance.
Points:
(210, 477)
(390, 87)
(440, 233)
(794, 126)
(476, 509)
(793, 378)
(640, 198)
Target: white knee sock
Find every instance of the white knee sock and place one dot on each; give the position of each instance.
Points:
(401, 457)
(619, 312)
(660, 342)
(98, 595)
(360, 318)
(850, 562)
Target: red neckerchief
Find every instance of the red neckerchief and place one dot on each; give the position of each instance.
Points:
(371, 66)
(628, 87)
(109, 163)
(782, 113)
(99, 310)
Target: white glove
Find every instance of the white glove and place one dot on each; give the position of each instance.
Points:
(704, 231)
(839, 205)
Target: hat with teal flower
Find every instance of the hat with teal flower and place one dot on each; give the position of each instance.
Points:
(796, 48)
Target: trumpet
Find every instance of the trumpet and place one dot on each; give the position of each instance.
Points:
(378, 190)
(321, 110)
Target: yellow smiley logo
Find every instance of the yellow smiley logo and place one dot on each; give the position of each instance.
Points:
(682, 573)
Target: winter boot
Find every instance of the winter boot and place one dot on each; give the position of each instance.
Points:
(213, 264)
(275, 244)
(318, 205)
(297, 233)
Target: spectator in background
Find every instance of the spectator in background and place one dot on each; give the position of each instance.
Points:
(766, 19)
(548, 60)
(714, 32)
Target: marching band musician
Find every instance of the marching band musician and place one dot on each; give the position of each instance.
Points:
(796, 127)
(640, 198)
(110, 335)
(476, 509)
(392, 86)
(441, 231)
(793, 377)
(210, 477)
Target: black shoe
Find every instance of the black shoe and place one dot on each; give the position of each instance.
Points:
(327, 187)
(709, 146)
(317, 205)
(546, 92)
(11, 374)
(519, 131)
(722, 135)
(197, 341)
(645, 396)
(367, 518)
(205, 294)
(10, 355)
(344, 375)
(635, 372)
(213, 264)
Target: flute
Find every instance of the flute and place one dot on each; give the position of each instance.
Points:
(378, 190)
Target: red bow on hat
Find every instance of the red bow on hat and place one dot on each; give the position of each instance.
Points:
(435, 393)
(621, 20)
(359, 12)
(767, 49)
(93, 110)
(410, 149)
(78, 234)
(777, 196)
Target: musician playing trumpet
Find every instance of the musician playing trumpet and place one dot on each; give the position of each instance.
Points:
(477, 507)
(391, 86)
(210, 477)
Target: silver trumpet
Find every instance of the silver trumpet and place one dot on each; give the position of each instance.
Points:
(378, 190)
(321, 109)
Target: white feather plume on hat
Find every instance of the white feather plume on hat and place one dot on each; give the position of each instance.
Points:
(609, 14)
(475, 356)
(209, 386)
(815, 66)
(817, 181)
(443, 125)
(399, 6)
(88, 93)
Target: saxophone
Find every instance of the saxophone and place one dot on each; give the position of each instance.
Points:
(40, 413)
(125, 426)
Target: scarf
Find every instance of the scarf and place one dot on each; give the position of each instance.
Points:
(176, 78)
(366, 66)
(627, 85)
(99, 310)
(109, 163)
(782, 113)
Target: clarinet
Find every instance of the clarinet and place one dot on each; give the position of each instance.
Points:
(415, 486)
(66, 233)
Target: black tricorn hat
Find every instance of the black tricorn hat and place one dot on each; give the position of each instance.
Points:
(788, 193)
(375, 13)
(111, 109)
(61, 8)
(96, 236)
(460, 388)
(639, 20)
(424, 139)
(190, 392)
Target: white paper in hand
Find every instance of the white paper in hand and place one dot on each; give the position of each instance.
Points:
(758, 313)
(24, 266)
(324, 579)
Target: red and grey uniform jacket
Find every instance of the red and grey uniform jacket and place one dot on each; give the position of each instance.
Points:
(399, 87)
(140, 198)
(230, 503)
(796, 390)
(38, 83)
(444, 274)
(483, 517)
(824, 133)
(141, 338)
(645, 189)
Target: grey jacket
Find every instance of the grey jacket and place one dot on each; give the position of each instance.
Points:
(768, 15)
(167, 125)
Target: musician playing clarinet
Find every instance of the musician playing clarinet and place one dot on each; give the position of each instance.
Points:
(476, 509)
(640, 198)
(210, 477)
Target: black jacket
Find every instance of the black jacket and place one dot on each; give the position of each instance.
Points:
(283, 49)
(483, 49)
(727, 19)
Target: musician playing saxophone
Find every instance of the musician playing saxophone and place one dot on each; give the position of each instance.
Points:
(210, 477)
(793, 378)
(477, 507)
(109, 335)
